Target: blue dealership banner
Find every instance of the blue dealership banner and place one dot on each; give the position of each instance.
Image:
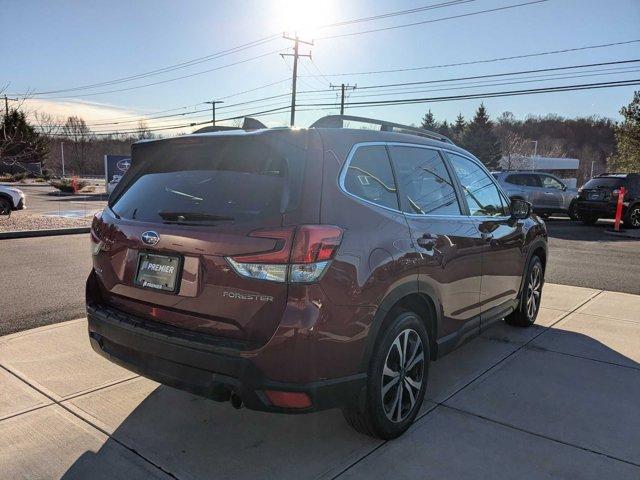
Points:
(115, 166)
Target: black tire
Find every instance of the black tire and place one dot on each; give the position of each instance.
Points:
(589, 219)
(5, 206)
(632, 218)
(529, 305)
(573, 211)
(377, 414)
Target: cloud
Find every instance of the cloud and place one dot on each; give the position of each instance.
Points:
(90, 111)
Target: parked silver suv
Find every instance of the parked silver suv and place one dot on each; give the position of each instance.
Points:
(546, 193)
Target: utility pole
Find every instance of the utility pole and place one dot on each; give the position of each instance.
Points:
(343, 88)
(295, 55)
(535, 153)
(213, 110)
(62, 154)
(6, 104)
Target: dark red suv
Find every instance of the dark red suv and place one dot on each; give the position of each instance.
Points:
(297, 270)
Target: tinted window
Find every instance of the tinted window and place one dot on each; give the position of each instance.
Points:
(426, 187)
(238, 178)
(479, 190)
(523, 179)
(369, 176)
(600, 182)
(550, 182)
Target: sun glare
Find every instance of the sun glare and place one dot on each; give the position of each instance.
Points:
(302, 17)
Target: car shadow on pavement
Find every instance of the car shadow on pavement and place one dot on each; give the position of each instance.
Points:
(553, 386)
(564, 229)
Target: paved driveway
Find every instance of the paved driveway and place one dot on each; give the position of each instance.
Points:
(559, 400)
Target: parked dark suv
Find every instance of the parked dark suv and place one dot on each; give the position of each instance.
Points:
(598, 198)
(297, 270)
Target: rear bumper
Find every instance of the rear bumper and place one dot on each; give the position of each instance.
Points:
(21, 204)
(601, 209)
(201, 368)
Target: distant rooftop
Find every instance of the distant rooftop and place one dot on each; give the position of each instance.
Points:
(543, 163)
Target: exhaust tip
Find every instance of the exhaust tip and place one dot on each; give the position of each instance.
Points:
(236, 401)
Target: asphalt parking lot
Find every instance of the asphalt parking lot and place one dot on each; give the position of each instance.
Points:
(558, 400)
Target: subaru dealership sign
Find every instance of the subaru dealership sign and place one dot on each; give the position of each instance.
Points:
(115, 166)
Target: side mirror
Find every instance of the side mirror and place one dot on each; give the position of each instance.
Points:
(520, 209)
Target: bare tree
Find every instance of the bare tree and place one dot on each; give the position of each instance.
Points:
(79, 135)
(143, 132)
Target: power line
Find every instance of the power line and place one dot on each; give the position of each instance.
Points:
(396, 13)
(237, 49)
(405, 84)
(424, 22)
(491, 60)
(503, 74)
(169, 68)
(564, 88)
(170, 79)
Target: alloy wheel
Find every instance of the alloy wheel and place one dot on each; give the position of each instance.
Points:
(635, 217)
(5, 208)
(402, 375)
(534, 291)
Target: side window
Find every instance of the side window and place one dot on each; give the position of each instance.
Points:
(425, 184)
(516, 180)
(532, 180)
(479, 190)
(369, 176)
(550, 182)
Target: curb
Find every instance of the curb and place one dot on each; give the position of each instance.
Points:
(635, 234)
(44, 233)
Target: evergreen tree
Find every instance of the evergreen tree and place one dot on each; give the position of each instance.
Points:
(627, 134)
(457, 129)
(19, 141)
(480, 139)
(429, 122)
(445, 129)
(459, 126)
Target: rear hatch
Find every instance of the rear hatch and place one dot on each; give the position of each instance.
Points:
(186, 204)
(601, 189)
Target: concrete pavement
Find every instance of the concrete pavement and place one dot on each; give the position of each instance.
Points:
(558, 400)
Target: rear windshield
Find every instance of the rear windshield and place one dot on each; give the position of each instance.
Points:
(225, 178)
(600, 182)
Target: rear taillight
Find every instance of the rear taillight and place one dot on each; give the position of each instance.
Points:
(95, 243)
(301, 255)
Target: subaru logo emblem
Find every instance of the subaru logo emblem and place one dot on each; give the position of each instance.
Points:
(124, 164)
(150, 237)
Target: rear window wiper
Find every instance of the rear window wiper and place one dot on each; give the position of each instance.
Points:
(181, 217)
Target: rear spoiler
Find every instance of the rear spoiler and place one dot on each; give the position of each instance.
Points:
(247, 124)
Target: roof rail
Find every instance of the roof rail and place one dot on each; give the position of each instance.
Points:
(249, 123)
(618, 173)
(337, 121)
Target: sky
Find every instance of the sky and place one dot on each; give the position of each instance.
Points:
(51, 46)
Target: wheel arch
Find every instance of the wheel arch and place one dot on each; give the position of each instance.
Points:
(406, 297)
(9, 198)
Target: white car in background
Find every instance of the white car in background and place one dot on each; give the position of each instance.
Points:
(11, 198)
(113, 183)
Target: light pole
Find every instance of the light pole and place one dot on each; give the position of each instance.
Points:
(535, 154)
(62, 153)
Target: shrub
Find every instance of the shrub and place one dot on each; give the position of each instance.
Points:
(66, 185)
